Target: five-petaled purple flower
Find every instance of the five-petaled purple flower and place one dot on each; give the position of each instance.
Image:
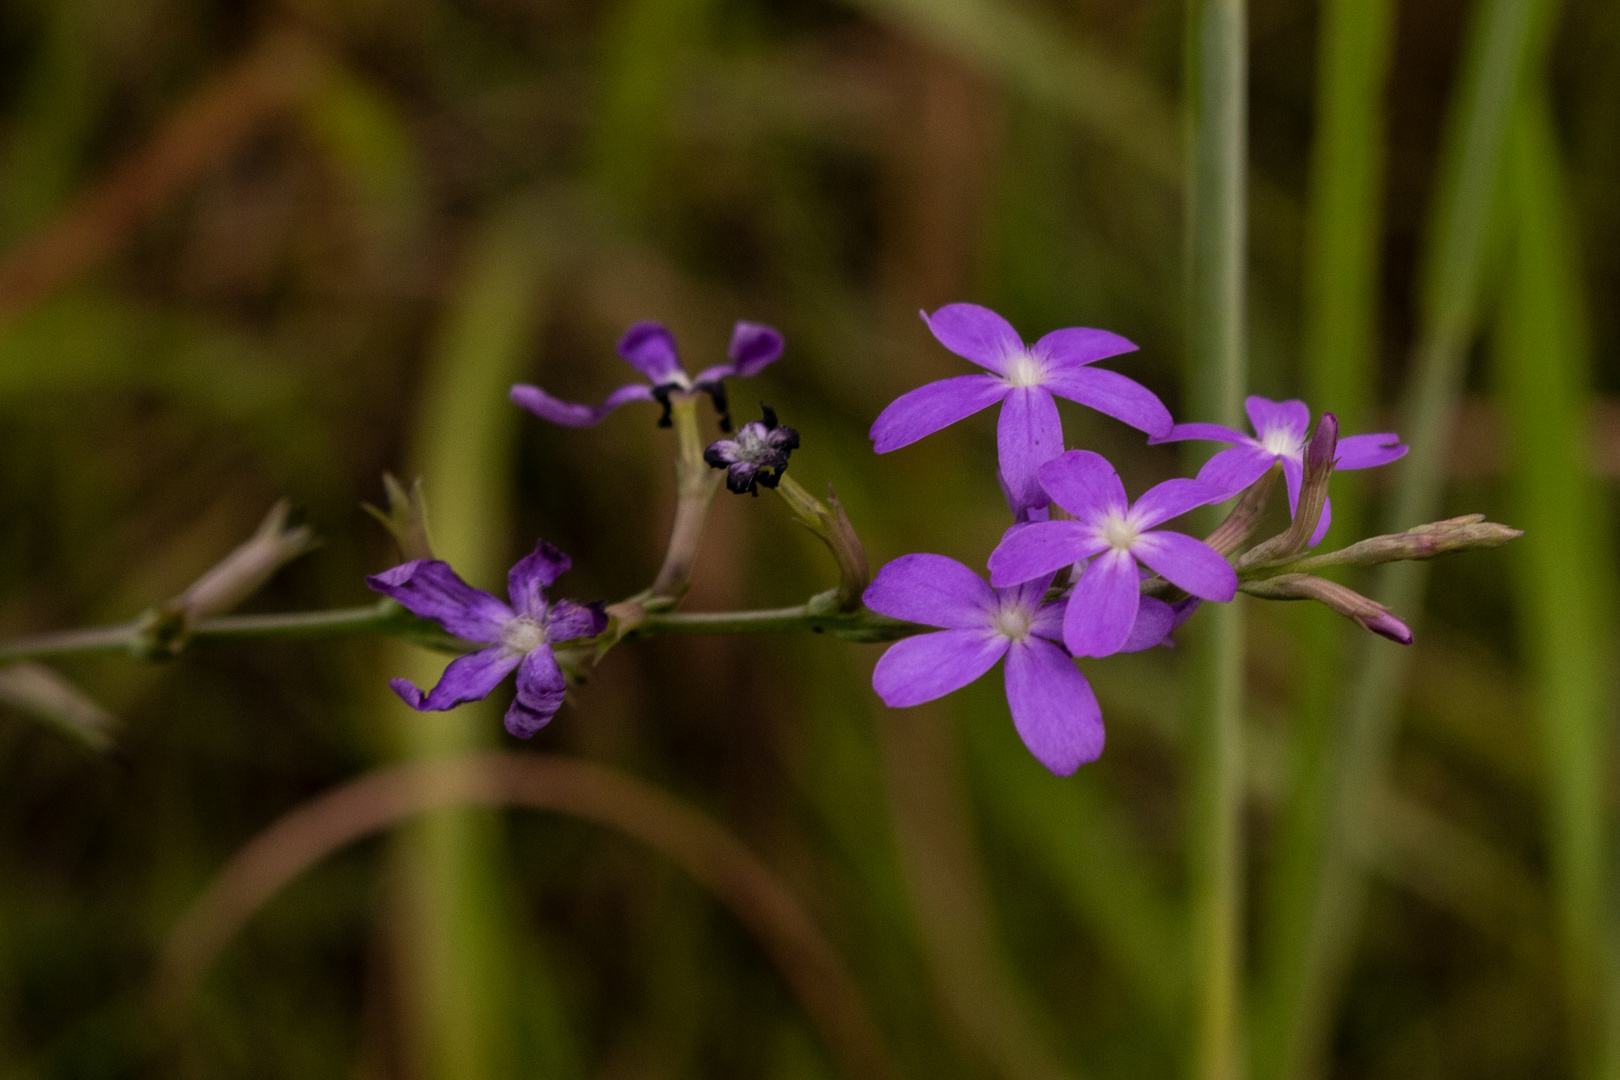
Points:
(519, 636)
(758, 455)
(1052, 705)
(650, 349)
(1029, 433)
(1115, 535)
(1279, 435)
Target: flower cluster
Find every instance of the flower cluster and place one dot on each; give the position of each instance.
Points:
(1082, 571)
(1070, 584)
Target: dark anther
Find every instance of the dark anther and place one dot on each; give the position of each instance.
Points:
(661, 394)
(717, 392)
(770, 416)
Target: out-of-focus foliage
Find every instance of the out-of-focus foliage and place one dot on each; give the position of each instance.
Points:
(247, 246)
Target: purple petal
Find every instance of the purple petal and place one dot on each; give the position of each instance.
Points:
(1112, 394)
(547, 407)
(1039, 548)
(1085, 485)
(1207, 432)
(1081, 345)
(1172, 499)
(1236, 467)
(526, 582)
(753, 346)
(567, 620)
(928, 666)
(932, 590)
(1048, 620)
(1052, 706)
(1154, 621)
(429, 588)
(975, 333)
(650, 349)
(1187, 564)
(1323, 523)
(540, 692)
(1028, 435)
(1369, 451)
(1103, 607)
(466, 678)
(1266, 415)
(928, 408)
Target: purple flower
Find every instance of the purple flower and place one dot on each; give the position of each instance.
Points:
(1024, 379)
(1114, 535)
(1052, 705)
(1279, 428)
(758, 455)
(518, 637)
(650, 349)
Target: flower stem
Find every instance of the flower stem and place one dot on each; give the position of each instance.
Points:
(695, 485)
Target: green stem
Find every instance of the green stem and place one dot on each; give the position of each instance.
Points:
(695, 485)
(388, 619)
(1218, 377)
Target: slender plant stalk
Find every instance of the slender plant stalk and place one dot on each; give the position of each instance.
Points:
(1217, 197)
(458, 938)
(1340, 359)
(1500, 46)
(1564, 585)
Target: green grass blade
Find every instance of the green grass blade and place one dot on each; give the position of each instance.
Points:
(1501, 45)
(1544, 385)
(457, 937)
(1340, 361)
(1217, 380)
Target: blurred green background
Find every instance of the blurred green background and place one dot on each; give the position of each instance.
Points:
(254, 250)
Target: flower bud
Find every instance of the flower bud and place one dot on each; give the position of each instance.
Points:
(1421, 542)
(406, 517)
(164, 630)
(1319, 458)
(37, 690)
(1346, 601)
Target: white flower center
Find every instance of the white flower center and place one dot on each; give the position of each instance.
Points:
(1119, 533)
(523, 635)
(1013, 622)
(1024, 370)
(1281, 441)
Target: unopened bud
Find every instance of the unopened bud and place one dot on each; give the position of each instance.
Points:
(244, 571)
(1320, 454)
(233, 579)
(1422, 542)
(406, 517)
(1346, 601)
(37, 690)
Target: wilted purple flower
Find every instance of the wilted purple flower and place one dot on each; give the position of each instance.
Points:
(758, 455)
(1052, 705)
(1279, 435)
(1114, 534)
(519, 636)
(650, 349)
(1028, 433)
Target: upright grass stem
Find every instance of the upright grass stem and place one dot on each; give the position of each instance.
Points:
(1565, 588)
(1216, 83)
(1340, 359)
(1502, 41)
(457, 937)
